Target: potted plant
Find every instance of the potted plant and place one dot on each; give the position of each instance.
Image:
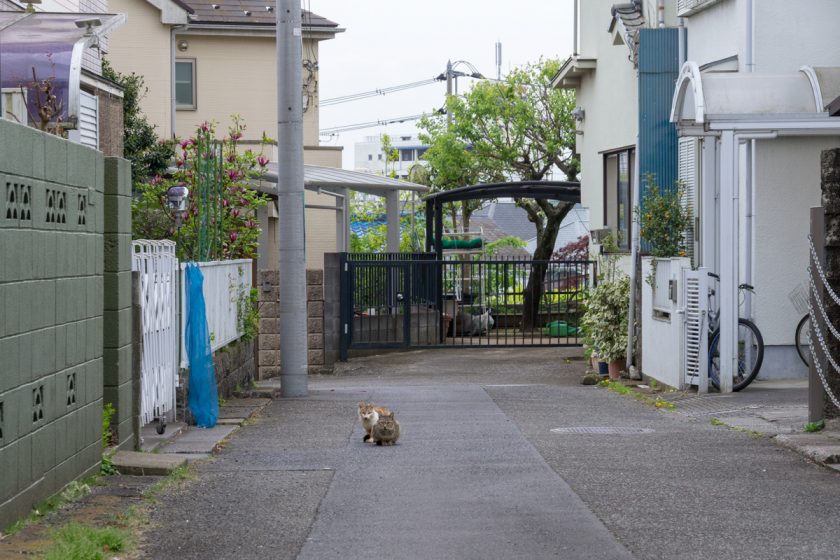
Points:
(605, 321)
(663, 222)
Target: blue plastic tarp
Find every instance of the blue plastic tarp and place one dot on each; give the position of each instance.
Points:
(203, 398)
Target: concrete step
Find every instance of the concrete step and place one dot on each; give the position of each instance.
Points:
(822, 447)
(199, 440)
(146, 464)
(151, 440)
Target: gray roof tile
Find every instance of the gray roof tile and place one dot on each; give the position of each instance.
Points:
(247, 12)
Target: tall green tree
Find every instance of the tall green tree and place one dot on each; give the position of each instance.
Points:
(149, 155)
(520, 128)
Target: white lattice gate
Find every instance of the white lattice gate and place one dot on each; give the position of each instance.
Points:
(696, 328)
(158, 267)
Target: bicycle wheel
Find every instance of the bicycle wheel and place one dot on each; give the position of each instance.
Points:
(803, 337)
(750, 355)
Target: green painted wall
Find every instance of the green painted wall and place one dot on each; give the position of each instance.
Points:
(52, 300)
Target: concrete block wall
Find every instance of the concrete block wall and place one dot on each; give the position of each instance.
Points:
(268, 342)
(51, 315)
(117, 317)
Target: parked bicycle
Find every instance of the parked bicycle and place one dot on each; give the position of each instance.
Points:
(799, 298)
(750, 344)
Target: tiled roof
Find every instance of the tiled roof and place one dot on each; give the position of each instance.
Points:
(509, 218)
(247, 12)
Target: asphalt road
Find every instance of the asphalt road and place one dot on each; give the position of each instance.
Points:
(478, 473)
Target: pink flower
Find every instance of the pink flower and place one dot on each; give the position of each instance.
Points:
(235, 212)
(235, 135)
(231, 158)
(185, 216)
(179, 163)
(251, 224)
(225, 203)
(205, 127)
(186, 143)
(156, 180)
(233, 235)
(263, 161)
(233, 175)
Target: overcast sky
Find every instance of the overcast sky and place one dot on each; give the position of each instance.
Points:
(393, 42)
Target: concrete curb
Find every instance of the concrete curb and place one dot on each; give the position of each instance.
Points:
(820, 447)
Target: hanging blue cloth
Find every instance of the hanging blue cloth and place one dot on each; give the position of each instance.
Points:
(203, 394)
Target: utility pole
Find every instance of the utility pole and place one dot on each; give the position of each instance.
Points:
(290, 204)
(448, 92)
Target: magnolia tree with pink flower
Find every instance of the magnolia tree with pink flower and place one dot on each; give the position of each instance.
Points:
(220, 220)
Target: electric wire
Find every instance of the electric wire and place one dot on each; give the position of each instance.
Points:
(348, 127)
(376, 92)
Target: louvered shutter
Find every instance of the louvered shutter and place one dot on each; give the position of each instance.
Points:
(88, 133)
(688, 160)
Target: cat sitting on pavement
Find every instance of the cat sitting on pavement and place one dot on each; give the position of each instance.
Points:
(369, 414)
(387, 430)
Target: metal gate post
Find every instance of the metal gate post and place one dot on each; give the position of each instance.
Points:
(345, 306)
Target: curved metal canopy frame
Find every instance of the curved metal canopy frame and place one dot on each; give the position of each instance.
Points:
(563, 191)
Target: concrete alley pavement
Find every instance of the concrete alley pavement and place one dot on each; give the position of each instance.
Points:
(478, 473)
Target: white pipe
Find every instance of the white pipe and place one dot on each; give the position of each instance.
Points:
(634, 255)
(575, 39)
(660, 13)
(749, 212)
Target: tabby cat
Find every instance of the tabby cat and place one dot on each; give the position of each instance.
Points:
(369, 414)
(387, 430)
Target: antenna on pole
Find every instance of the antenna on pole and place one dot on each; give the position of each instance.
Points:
(498, 60)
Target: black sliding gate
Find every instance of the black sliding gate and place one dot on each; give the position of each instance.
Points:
(397, 300)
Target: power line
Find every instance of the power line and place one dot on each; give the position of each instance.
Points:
(348, 127)
(375, 92)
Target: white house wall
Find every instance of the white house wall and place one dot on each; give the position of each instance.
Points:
(791, 34)
(718, 32)
(609, 96)
(781, 225)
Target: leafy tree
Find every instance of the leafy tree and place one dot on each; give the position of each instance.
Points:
(149, 156)
(452, 164)
(392, 155)
(374, 239)
(518, 129)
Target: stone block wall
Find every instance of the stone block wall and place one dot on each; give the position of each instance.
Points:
(268, 343)
(52, 286)
(234, 366)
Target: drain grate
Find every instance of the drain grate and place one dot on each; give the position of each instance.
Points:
(602, 430)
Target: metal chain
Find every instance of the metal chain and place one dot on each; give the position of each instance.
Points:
(815, 325)
(816, 329)
(821, 272)
(821, 306)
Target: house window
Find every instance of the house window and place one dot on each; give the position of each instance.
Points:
(421, 152)
(370, 157)
(618, 195)
(407, 155)
(185, 84)
(379, 157)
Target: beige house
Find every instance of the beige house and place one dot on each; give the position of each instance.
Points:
(205, 61)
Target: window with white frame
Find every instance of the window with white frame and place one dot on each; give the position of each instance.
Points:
(185, 84)
(618, 194)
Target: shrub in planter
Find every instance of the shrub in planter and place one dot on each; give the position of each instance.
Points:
(605, 320)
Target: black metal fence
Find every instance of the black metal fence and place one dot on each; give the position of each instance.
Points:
(412, 299)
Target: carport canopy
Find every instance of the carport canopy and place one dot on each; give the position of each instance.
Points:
(728, 109)
(562, 191)
(337, 182)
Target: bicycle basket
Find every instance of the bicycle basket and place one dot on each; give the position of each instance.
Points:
(799, 298)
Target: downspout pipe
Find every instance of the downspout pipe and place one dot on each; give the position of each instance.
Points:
(749, 200)
(660, 14)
